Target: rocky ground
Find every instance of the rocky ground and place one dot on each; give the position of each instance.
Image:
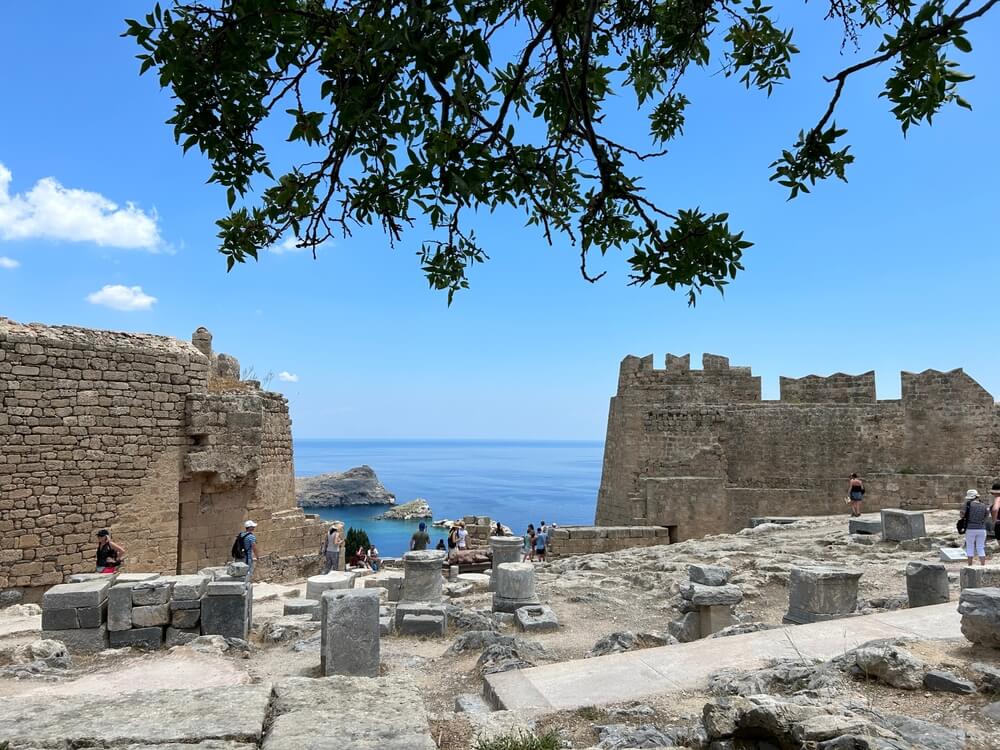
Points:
(871, 699)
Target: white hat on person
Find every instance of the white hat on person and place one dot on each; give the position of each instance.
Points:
(971, 495)
(250, 524)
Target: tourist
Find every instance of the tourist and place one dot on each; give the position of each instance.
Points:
(421, 539)
(529, 544)
(452, 540)
(110, 556)
(440, 546)
(331, 550)
(249, 541)
(855, 493)
(463, 537)
(541, 538)
(995, 505)
(361, 556)
(373, 561)
(973, 523)
(498, 531)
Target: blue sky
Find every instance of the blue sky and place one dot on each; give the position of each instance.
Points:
(896, 270)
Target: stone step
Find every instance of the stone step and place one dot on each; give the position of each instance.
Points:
(423, 625)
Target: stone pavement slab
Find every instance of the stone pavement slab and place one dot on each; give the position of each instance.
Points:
(142, 718)
(637, 675)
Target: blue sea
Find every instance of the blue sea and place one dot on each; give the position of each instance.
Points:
(514, 482)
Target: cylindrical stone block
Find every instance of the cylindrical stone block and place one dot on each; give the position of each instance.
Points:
(422, 579)
(926, 584)
(302, 607)
(334, 581)
(514, 587)
(505, 549)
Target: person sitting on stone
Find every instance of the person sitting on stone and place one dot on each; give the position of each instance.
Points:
(372, 558)
(974, 514)
(855, 493)
(110, 556)
(420, 539)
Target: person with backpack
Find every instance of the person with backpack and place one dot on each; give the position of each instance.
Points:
(331, 549)
(452, 540)
(973, 523)
(245, 547)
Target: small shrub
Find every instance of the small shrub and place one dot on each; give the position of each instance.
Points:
(520, 741)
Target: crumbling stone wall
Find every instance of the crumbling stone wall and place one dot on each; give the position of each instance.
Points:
(698, 451)
(152, 437)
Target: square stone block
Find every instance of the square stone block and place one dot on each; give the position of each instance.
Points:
(816, 594)
(350, 642)
(135, 577)
(151, 616)
(180, 636)
(149, 638)
(433, 625)
(92, 617)
(538, 619)
(60, 619)
(713, 619)
(120, 607)
(74, 595)
(81, 640)
(226, 588)
(226, 615)
(185, 618)
(149, 593)
(404, 609)
(863, 526)
(187, 587)
(176, 604)
(900, 525)
(926, 584)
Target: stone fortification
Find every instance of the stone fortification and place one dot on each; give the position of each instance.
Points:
(155, 438)
(698, 451)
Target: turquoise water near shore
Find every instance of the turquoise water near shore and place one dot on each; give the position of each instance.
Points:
(514, 482)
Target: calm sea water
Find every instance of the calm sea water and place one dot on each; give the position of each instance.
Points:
(514, 482)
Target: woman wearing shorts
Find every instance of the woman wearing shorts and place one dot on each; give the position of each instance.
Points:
(856, 493)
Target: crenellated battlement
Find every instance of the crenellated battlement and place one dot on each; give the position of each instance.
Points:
(715, 382)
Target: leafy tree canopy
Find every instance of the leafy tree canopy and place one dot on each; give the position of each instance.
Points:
(426, 110)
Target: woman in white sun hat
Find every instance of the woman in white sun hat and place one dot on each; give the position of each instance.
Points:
(973, 523)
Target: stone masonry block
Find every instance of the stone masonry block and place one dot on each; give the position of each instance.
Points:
(900, 525)
(153, 592)
(226, 615)
(120, 607)
(185, 618)
(926, 584)
(151, 616)
(81, 640)
(180, 636)
(92, 617)
(188, 587)
(148, 638)
(980, 577)
(226, 588)
(59, 619)
(350, 632)
(73, 595)
(816, 594)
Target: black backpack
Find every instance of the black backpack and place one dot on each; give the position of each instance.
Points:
(239, 551)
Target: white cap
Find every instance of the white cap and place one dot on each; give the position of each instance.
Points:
(971, 495)
(249, 524)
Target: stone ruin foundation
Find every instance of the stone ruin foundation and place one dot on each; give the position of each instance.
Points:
(156, 439)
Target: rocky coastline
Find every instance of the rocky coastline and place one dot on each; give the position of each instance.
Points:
(410, 511)
(357, 486)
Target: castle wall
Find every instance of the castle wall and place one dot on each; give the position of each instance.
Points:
(698, 451)
(134, 433)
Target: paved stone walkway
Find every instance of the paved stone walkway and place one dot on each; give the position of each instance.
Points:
(636, 675)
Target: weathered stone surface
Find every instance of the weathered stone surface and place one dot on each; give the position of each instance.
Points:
(120, 607)
(153, 592)
(947, 682)
(900, 525)
(713, 619)
(709, 575)
(686, 628)
(514, 587)
(176, 604)
(185, 618)
(429, 625)
(360, 713)
(228, 616)
(59, 619)
(187, 587)
(391, 583)
(979, 577)
(422, 579)
(618, 642)
(72, 595)
(236, 570)
(862, 526)
(816, 594)
(181, 636)
(145, 718)
(81, 640)
(538, 619)
(333, 581)
(357, 486)
(135, 577)
(504, 549)
(890, 664)
(149, 638)
(980, 610)
(92, 617)
(151, 616)
(711, 596)
(987, 677)
(350, 640)
(301, 607)
(226, 588)
(926, 584)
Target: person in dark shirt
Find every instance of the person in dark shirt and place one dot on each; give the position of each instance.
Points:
(109, 555)
(974, 513)
(420, 538)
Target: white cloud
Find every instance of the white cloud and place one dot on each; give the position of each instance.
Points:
(287, 377)
(52, 212)
(119, 297)
(287, 245)
(6, 262)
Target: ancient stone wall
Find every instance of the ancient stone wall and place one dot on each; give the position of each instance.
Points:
(584, 540)
(154, 438)
(699, 451)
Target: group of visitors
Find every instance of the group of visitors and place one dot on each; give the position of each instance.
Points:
(535, 542)
(458, 539)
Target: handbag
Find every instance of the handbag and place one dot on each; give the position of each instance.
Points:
(963, 522)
